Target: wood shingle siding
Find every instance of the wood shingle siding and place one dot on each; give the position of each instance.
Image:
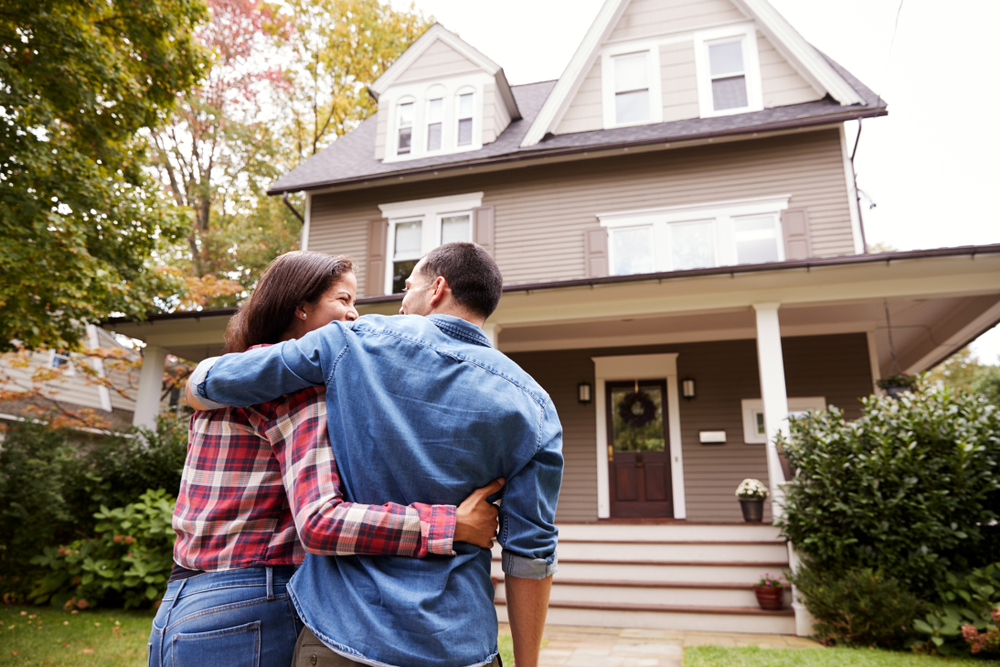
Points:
(726, 372)
(652, 18)
(543, 213)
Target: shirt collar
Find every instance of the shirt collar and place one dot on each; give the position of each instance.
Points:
(456, 327)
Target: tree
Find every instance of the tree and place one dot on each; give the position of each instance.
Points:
(964, 372)
(80, 80)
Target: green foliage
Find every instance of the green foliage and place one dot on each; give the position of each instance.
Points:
(51, 486)
(899, 380)
(128, 561)
(911, 489)
(860, 607)
(964, 372)
(81, 80)
(752, 656)
(969, 601)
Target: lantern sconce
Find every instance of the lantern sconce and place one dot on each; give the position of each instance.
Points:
(583, 392)
(687, 388)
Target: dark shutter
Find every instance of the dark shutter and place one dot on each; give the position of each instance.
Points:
(795, 227)
(378, 231)
(483, 227)
(597, 252)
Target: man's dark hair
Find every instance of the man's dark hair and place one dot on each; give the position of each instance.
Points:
(472, 275)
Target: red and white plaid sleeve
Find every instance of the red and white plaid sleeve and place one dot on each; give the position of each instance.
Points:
(326, 523)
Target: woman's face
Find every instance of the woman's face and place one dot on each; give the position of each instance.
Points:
(337, 303)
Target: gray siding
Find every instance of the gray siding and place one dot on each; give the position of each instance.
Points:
(726, 372)
(584, 113)
(439, 60)
(651, 18)
(679, 81)
(542, 213)
(781, 83)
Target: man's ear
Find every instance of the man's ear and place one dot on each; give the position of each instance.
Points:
(439, 292)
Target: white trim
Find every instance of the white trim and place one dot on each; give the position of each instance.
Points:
(800, 53)
(304, 238)
(751, 407)
(789, 43)
(492, 331)
(747, 34)
(421, 207)
(876, 367)
(102, 392)
(748, 206)
(643, 367)
(853, 202)
(773, 393)
(957, 339)
(68, 356)
(653, 78)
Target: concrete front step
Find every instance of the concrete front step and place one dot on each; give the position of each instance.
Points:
(666, 617)
(686, 551)
(713, 573)
(645, 593)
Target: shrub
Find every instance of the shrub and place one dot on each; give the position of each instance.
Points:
(128, 561)
(911, 489)
(970, 602)
(860, 607)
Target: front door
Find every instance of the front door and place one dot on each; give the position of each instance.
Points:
(638, 456)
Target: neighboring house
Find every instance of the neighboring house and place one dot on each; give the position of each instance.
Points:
(71, 390)
(677, 215)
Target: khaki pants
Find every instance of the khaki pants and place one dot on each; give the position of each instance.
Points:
(311, 652)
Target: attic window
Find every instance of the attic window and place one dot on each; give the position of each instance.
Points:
(465, 111)
(631, 88)
(729, 86)
(435, 112)
(405, 128)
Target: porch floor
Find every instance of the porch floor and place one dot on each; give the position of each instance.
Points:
(572, 646)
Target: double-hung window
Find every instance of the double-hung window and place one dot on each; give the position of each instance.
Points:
(464, 116)
(728, 70)
(631, 84)
(404, 121)
(631, 88)
(695, 237)
(435, 113)
(728, 74)
(417, 227)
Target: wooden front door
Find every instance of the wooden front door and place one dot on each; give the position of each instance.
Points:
(638, 455)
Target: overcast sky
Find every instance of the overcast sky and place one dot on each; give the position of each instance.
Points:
(931, 166)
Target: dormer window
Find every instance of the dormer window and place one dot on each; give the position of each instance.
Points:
(405, 132)
(729, 85)
(435, 113)
(465, 112)
(728, 70)
(631, 88)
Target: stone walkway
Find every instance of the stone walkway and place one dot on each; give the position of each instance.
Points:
(570, 646)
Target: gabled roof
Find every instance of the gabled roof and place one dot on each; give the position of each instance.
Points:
(800, 54)
(351, 159)
(435, 33)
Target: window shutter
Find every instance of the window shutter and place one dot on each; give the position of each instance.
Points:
(795, 228)
(483, 227)
(378, 231)
(597, 252)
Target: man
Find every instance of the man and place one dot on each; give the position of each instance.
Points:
(421, 409)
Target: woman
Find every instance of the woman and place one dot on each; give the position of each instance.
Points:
(258, 479)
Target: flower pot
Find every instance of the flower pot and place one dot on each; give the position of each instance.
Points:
(768, 597)
(895, 391)
(753, 509)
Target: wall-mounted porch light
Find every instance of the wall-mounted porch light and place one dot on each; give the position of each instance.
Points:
(687, 388)
(583, 392)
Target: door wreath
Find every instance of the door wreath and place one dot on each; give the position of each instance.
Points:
(637, 409)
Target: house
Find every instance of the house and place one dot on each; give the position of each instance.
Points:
(678, 227)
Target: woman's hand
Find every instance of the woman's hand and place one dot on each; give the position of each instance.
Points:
(477, 519)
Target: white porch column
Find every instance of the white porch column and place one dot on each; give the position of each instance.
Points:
(773, 394)
(147, 402)
(492, 331)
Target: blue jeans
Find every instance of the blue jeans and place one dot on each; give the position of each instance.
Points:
(237, 618)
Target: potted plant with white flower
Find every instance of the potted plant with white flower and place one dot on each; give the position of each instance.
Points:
(752, 493)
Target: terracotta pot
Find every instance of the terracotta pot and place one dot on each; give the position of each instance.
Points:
(753, 509)
(768, 597)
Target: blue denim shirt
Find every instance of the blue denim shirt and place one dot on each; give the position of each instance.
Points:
(420, 410)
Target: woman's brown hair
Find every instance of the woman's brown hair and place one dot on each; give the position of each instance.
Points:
(290, 279)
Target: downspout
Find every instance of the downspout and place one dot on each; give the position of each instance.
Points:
(857, 193)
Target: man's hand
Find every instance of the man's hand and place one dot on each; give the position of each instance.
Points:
(477, 519)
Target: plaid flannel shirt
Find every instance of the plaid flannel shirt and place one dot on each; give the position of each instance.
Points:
(257, 479)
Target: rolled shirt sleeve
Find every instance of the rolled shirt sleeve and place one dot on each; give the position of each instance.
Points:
(528, 533)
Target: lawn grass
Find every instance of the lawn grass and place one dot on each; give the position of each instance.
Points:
(42, 636)
(39, 636)
(752, 656)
